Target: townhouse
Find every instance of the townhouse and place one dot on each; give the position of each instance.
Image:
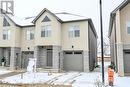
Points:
(61, 41)
(119, 34)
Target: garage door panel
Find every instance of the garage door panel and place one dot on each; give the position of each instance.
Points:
(73, 62)
(127, 62)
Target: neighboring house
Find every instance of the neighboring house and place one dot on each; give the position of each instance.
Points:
(119, 34)
(58, 40)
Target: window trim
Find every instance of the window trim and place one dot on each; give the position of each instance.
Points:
(127, 25)
(72, 31)
(28, 34)
(46, 31)
(5, 22)
(7, 33)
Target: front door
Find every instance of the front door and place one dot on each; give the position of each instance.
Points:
(49, 58)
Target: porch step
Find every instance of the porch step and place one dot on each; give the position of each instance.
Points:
(48, 70)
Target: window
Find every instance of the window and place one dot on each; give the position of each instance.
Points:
(5, 22)
(30, 34)
(128, 27)
(6, 34)
(46, 19)
(74, 31)
(46, 31)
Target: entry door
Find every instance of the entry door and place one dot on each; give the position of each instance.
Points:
(49, 58)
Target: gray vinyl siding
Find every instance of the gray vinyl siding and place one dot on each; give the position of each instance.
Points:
(92, 49)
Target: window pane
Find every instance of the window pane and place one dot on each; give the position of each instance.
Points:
(4, 36)
(70, 34)
(49, 32)
(8, 35)
(28, 34)
(5, 22)
(128, 30)
(77, 33)
(31, 35)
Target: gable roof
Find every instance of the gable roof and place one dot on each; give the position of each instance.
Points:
(113, 14)
(21, 22)
(121, 6)
(62, 17)
(44, 10)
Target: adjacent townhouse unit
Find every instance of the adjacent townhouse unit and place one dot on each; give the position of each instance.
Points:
(61, 41)
(119, 34)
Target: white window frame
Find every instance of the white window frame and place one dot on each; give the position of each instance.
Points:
(29, 34)
(128, 26)
(7, 33)
(72, 31)
(46, 31)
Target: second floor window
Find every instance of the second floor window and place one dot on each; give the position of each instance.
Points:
(46, 31)
(6, 34)
(5, 22)
(30, 34)
(74, 31)
(128, 27)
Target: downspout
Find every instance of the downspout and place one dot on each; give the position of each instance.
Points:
(89, 45)
(115, 43)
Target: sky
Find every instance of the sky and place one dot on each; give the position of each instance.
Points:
(87, 8)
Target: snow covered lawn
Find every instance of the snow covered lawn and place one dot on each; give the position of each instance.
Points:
(75, 78)
(29, 78)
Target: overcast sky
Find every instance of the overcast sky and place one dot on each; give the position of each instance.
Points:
(88, 8)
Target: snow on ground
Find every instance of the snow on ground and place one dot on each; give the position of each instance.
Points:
(86, 80)
(30, 78)
(122, 81)
(77, 79)
(4, 71)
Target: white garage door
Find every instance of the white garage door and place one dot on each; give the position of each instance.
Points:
(73, 61)
(127, 62)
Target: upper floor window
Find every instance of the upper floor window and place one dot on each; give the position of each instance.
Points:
(74, 31)
(128, 27)
(46, 19)
(6, 34)
(5, 22)
(46, 31)
(30, 34)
